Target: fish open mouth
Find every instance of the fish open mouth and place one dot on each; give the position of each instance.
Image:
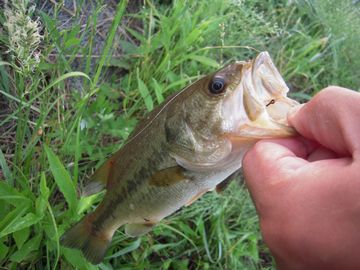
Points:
(263, 102)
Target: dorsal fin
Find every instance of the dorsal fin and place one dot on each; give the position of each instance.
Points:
(99, 179)
(150, 117)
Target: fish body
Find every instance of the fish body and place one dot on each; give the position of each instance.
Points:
(189, 145)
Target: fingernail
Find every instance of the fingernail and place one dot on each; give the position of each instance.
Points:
(294, 110)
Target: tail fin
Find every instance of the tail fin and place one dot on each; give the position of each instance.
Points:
(92, 243)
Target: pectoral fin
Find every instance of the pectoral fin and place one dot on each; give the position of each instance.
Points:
(168, 176)
(190, 151)
(136, 229)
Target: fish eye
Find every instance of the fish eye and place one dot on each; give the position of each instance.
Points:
(217, 86)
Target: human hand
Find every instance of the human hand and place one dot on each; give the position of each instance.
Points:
(307, 189)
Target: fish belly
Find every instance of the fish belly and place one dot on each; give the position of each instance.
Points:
(154, 203)
(149, 203)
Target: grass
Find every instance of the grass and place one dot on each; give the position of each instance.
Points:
(65, 110)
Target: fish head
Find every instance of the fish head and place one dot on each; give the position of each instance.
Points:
(222, 115)
(245, 100)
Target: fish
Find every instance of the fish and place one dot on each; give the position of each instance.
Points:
(192, 143)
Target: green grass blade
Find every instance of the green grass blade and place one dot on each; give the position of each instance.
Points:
(144, 92)
(56, 236)
(4, 76)
(44, 190)
(62, 179)
(31, 245)
(54, 32)
(64, 77)
(19, 221)
(3, 251)
(11, 195)
(6, 171)
(109, 42)
(42, 92)
(158, 91)
(181, 234)
(77, 153)
(3, 63)
(133, 246)
(23, 103)
(77, 260)
(204, 60)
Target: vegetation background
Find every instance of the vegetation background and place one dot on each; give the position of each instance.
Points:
(75, 77)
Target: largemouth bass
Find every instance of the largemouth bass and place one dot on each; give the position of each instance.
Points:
(189, 145)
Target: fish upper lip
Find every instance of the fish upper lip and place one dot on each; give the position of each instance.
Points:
(260, 58)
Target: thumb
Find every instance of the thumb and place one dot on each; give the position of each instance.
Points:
(331, 119)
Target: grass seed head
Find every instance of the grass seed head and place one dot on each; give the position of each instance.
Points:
(24, 35)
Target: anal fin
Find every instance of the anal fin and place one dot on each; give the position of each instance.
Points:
(137, 229)
(225, 183)
(197, 196)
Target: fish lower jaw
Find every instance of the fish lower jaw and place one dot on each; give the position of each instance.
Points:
(264, 127)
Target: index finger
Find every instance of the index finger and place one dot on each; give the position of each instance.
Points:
(332, 119)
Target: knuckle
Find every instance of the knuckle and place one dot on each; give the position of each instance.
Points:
(327, 93)
(324, 99)
(332, 88)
